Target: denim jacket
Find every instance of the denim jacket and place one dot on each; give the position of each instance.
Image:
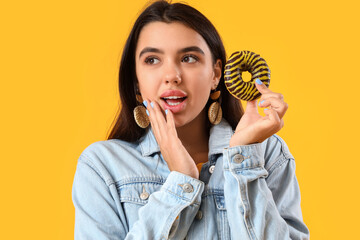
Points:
(124, 190)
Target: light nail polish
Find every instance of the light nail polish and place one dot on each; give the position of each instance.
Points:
(145, 103)
(152, 104)
(166, 111)
(261, 102)
(258, 81)
(147, 112)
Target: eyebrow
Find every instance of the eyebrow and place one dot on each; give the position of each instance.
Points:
(183, 50)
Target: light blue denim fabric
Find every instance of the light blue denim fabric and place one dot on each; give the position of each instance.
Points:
(125, 190)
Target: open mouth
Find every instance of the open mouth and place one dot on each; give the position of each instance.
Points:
(173, 100)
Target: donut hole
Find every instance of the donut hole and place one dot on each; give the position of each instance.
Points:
(246, 76)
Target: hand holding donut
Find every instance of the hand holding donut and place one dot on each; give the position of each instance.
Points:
(254, 128)
(171, 147)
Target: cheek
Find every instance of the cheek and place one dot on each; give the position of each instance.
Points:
(147, 90)
(202, 80)
(146, 83)
(202, 88)
(143, 81)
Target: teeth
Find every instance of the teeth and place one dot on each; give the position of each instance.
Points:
(173, 104)
(172, 97)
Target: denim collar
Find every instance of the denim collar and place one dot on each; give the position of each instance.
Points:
(220, 135)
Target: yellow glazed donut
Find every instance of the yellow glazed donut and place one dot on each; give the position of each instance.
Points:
(245, 61)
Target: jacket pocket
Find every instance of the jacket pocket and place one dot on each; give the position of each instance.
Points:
(134, 193)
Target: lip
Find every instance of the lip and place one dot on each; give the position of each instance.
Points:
(174, 109)
(175, 93)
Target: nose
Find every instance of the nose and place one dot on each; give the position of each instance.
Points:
(172, 73)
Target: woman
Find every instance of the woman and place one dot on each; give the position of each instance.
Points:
(183, 177)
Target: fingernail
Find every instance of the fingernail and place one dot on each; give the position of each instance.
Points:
(166, 111)
(147, 112)
(266, 109)
(258, 81)
(145, 103)
(261, 102)
(152, 104)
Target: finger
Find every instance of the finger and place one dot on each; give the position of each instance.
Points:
(170, 122)
(274, 119)
(251, 107)
(274, 103)
(153, 121)
(272, 94)
(151, 113)
(261, 87)
(158, 112)
(158, 117)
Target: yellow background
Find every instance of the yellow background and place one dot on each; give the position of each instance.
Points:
(59, 65)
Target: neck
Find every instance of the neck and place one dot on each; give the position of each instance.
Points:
(195, 135)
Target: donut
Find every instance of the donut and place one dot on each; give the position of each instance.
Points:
(245, 61)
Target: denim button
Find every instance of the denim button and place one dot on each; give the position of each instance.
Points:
(211, 169)
(144, 195)
(238, 158)
(187, 187)
(199, 215)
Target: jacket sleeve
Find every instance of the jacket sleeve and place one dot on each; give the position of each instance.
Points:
(263, 202)
(99, 215)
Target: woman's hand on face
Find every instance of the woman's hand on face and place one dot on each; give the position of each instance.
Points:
(172, 150)
(254, 128)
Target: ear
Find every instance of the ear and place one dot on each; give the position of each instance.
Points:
(217, 74)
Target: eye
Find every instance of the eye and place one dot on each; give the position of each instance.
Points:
(152, 60)
(190, 59)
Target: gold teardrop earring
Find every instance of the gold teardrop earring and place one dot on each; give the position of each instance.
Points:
(140, 116)
(215, 111)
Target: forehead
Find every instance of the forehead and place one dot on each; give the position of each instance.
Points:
(169, 36)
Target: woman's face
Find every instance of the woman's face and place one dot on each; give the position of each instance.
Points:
(174, 67)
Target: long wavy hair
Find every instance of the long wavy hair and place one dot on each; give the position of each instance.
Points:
(124, 126)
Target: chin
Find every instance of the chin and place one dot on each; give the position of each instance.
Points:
(179, 124)
(182, 121)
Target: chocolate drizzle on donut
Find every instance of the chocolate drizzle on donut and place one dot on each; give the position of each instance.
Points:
(245, 61)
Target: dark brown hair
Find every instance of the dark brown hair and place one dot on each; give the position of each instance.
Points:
(124, 126)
